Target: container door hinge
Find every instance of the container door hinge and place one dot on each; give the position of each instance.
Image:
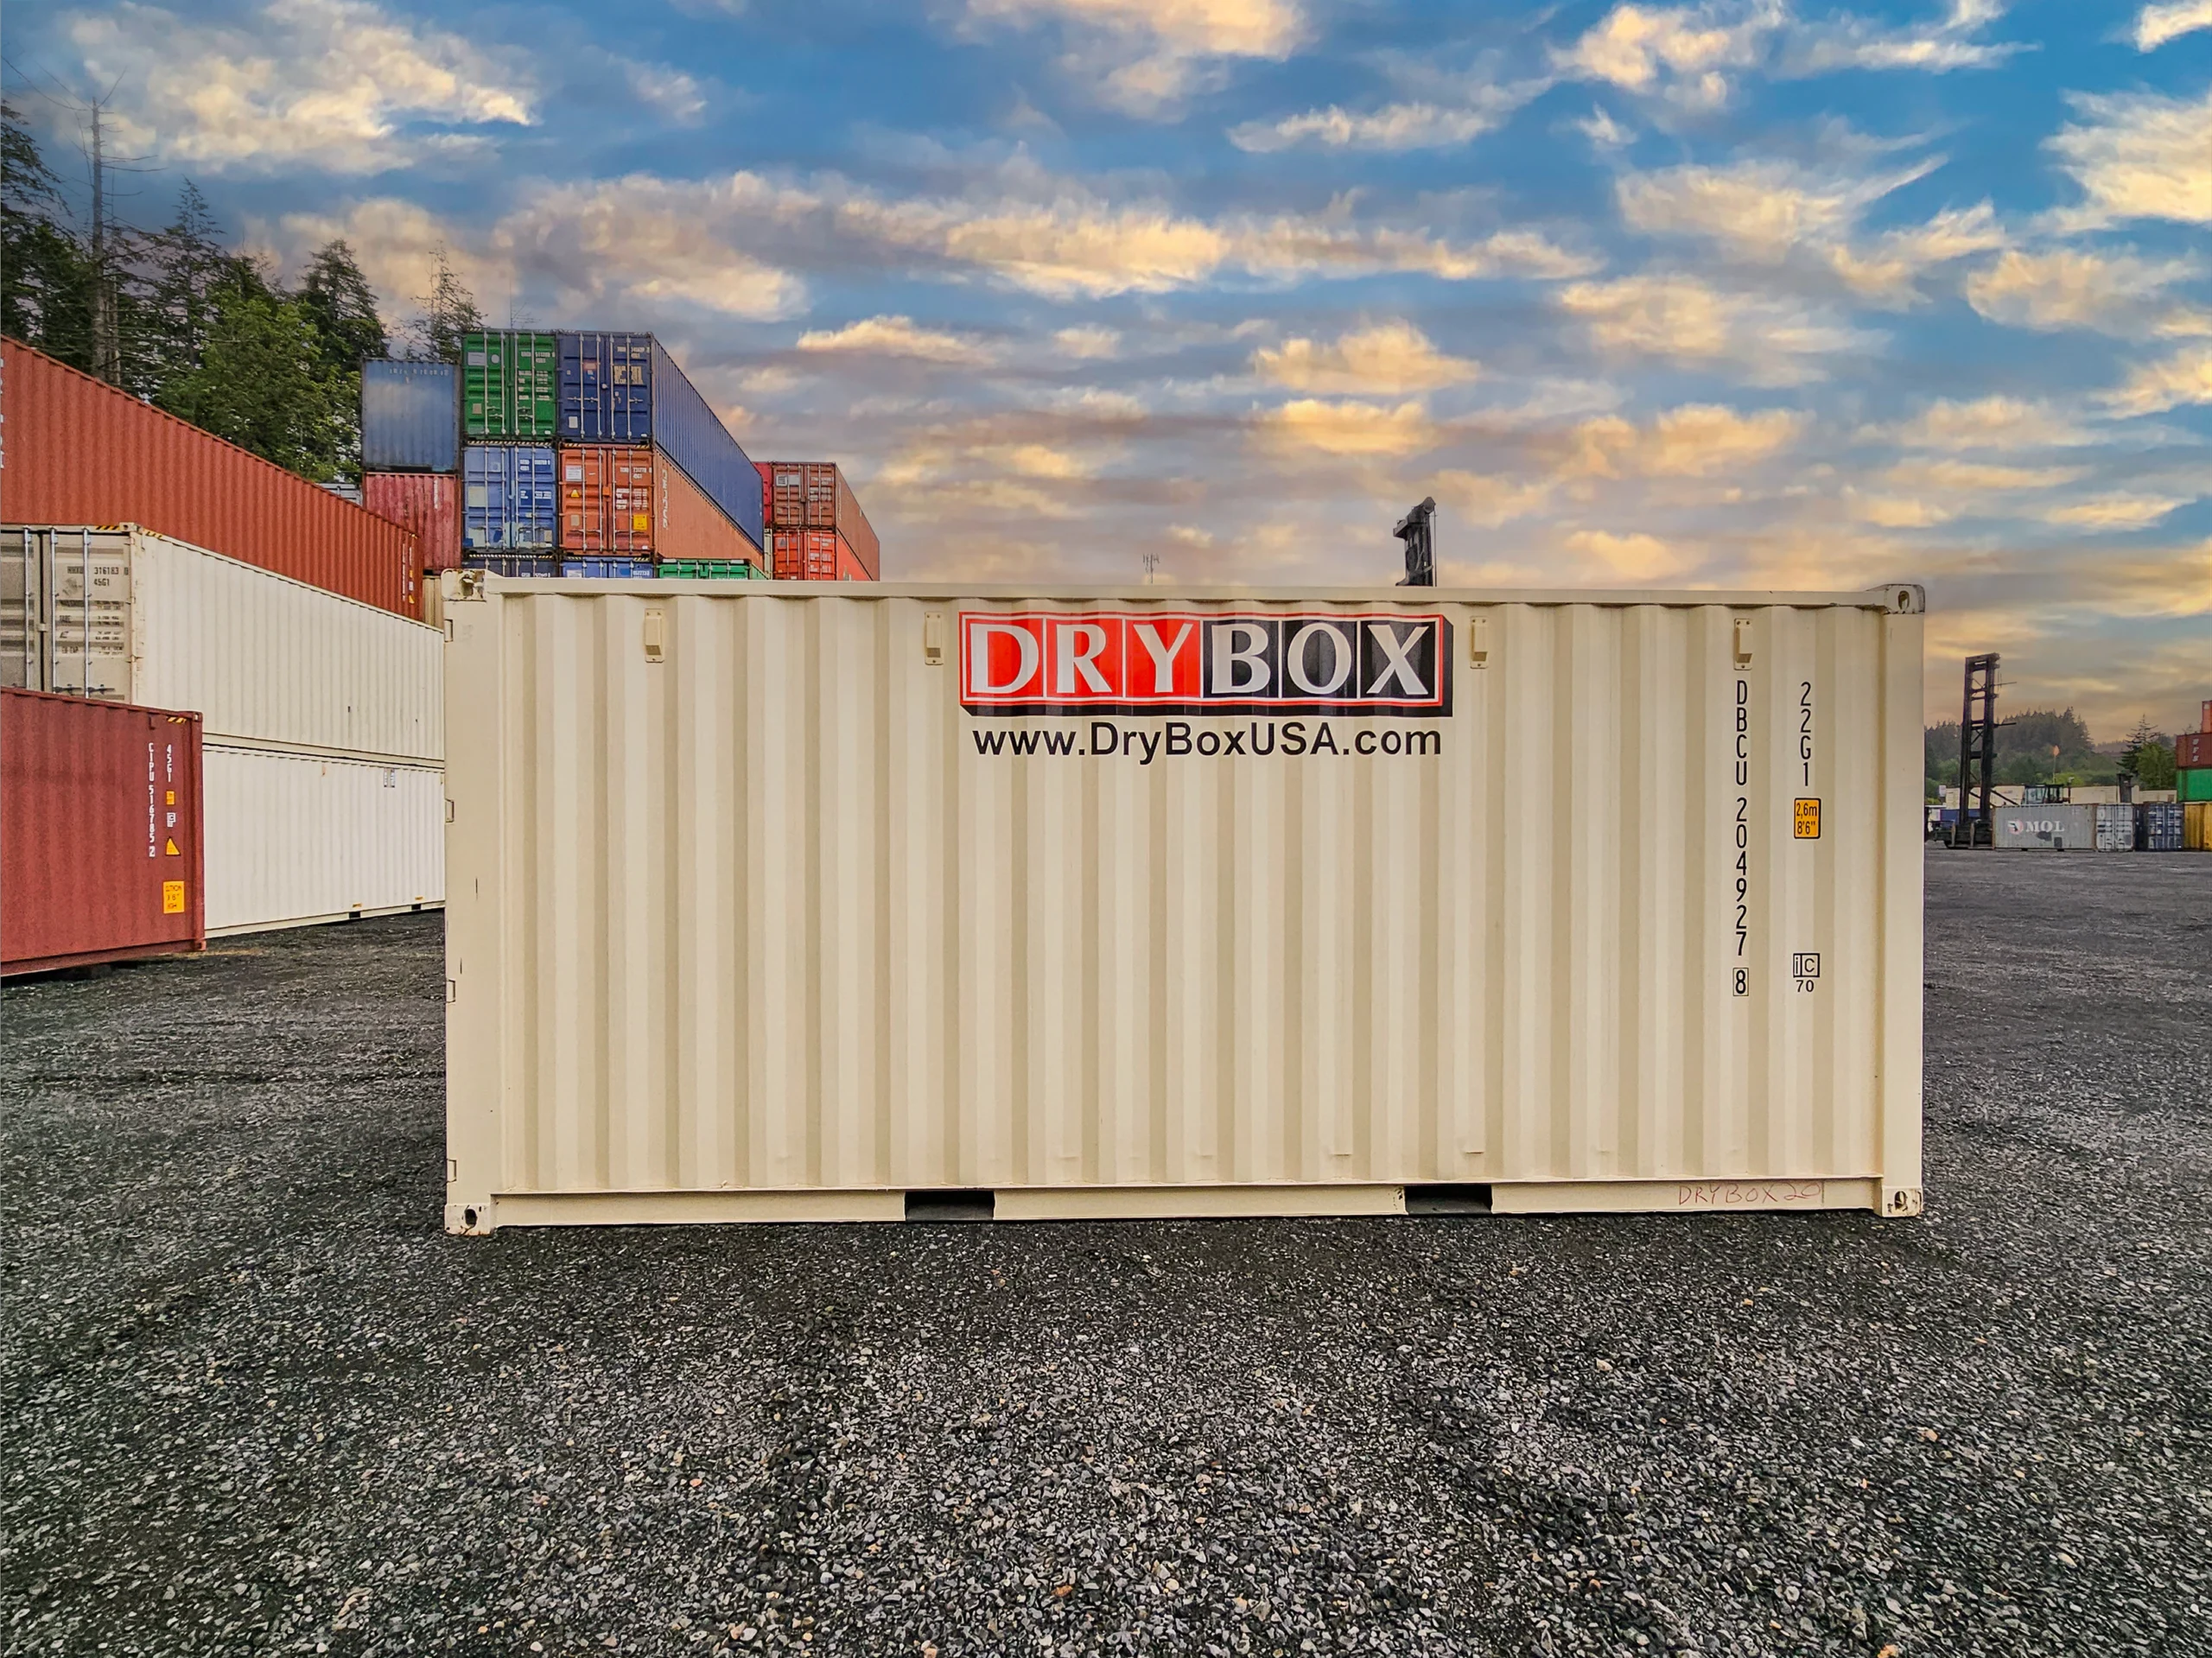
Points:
(449, 810)
(655, 635)
(1478, 641)
(453, 1171)
(453, 990)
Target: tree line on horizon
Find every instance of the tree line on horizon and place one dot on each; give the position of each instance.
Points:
(2053, 746)
(180, 320)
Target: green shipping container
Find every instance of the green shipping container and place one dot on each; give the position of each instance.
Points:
(510, 384)
(2194, 783)
(709, 569)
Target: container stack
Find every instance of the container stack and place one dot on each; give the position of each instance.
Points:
(816, 531)
(578, 454)
(410, 454)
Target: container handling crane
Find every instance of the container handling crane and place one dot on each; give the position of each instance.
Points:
(1977, 727)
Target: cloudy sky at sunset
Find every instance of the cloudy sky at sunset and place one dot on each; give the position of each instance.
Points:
(1745, 294)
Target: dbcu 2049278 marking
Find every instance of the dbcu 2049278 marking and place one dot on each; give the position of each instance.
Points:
(1351, 662)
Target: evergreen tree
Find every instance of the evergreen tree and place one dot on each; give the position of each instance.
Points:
(343, 308)
(46, 275)
(448, 312)
(190, 263)
(262, 380)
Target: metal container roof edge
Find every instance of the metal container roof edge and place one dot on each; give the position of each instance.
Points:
(11, 528)
(1901, 598)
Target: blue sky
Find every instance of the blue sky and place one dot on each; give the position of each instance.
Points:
(1749, 293)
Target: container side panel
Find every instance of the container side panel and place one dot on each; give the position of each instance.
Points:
(411, 418)
(427, 503)
(79, 452)
(692, 435)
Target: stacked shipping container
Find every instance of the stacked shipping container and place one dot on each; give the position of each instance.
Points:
(581, 454)
(2193, 754)
(818, 532)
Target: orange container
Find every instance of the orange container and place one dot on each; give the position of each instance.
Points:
(687, 525)
(815, 495)
(607, 499)
(78, 451)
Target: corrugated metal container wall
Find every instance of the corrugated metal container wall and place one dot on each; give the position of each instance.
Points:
(607, 500)
(78, 451)
(263, 659)
(2193, 748)
(610, 569)
(2158, 826)
(510, 386)
(2046, 829)
(814, 556)
(509, 497)
(513, 565)
(411, 418)
(2194, 783)
(691, 434)
(297, 839)
(752, 917)
(2114, 826)
(692, 528)
(428, 503)
(606, 388)
(2197, 826)
(99, 832)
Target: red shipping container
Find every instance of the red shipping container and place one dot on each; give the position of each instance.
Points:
(78, 451)
(815, 495)
(428, 503)
(815, 556)
(100, 811)
(2193, 748)
(606, 499)
(688, 525)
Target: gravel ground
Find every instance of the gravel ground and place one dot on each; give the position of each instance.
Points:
(255, 1400)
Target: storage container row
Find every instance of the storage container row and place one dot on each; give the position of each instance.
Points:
(538, 390)
(815, 495)
(2144, 826)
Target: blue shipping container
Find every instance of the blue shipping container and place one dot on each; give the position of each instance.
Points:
(410, 417)
(692, 435)
(2158, 826)
(606, 388)
(510, 564)
(509, 496)
(609, 570)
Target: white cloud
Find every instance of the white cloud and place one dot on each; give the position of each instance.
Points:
(1144, 57)
(1772, 339)
(1603, 131)
(896, 336)
(1349, 428)
(1769, 212)
(1695, 441)
(1389, 357)
(1948, 43)
(2156, 24)
(1636, 557)
(1479, 106)
(679, 97)
(340, 86)
(2140, 155)
(1984, 424)
(2073, 287)
(2115, 511)
(2153, 388)
(1088, 343)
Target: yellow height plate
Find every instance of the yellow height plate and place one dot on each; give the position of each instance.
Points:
(1805, 822)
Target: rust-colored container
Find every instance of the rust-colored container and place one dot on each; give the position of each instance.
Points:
(815, 495)
(690, 526)
(100, 807)
(815, 556)
(2193, 748)
(428, 503)
(606, 499)
(78, 451)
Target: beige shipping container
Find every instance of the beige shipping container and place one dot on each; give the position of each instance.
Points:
(771, 903)
(134, 617)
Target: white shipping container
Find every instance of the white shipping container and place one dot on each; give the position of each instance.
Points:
(296, 839)
(778, 904)
(264, 659)
(2046, 829)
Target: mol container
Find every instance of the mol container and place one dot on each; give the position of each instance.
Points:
(510, 383)
(428, 503)
(605, 388)
(815, 495)
(99, 832)
(78, 451)
(2046, 829)
(607, 500)
(509, 497)
(127, 616)
(410, 418)
(1118, 904)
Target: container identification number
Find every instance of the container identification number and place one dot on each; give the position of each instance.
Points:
(1742, 980)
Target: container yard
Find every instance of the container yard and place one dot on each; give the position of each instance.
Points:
(829, 538)
(99, 832)
(944, 956)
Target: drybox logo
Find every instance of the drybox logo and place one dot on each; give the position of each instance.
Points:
(1359, 662)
